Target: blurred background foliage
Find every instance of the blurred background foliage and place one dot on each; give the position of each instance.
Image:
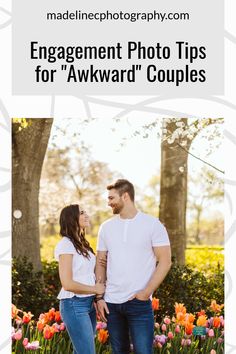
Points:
(72, 174)
(194, 284)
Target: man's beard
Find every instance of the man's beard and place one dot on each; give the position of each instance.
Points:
(117, 209)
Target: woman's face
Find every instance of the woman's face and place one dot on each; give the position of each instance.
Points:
(83, 219)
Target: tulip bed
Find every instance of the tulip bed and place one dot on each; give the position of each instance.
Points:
(182, 333)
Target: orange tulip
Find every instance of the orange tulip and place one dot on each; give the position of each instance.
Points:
(180, 318)
(155, 303)
(27, 317)
(51, 314)
(201, 313)
(48, 332)
(14, 311)
(216, 322)
(14, 314)
(57, 316)
(190, 317)
(45, 317)
(189, 328)
(102, 336)
(202, 320)
(40, 325)
(180, 308)
(215, 307)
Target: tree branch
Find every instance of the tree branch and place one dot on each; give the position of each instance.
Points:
(76, 186)
(198, 158)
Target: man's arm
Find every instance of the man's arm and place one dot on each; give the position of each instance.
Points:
(163, 255)
(100, 271)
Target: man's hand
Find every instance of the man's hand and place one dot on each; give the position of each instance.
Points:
(102, 309)
(96, 308)
(141, 295)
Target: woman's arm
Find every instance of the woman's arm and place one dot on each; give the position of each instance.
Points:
(67, 282)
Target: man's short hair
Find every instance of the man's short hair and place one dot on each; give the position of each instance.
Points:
(122, 186)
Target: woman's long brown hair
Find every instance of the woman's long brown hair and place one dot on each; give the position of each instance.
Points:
(69, 227)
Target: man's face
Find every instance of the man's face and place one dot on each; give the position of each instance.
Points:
(115, 201)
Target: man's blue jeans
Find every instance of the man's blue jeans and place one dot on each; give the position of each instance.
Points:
(79, 316)
(133, 319)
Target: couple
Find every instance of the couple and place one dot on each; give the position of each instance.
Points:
(131, 243)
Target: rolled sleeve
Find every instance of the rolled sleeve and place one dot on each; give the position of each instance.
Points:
(159, 235)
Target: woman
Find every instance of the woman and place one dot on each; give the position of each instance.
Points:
(76, 269)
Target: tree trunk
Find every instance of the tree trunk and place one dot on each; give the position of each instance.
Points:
(173, 194)
(198, 218)
(28, 150)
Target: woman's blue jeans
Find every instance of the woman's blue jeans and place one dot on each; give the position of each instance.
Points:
(133, 319)
(79, 316)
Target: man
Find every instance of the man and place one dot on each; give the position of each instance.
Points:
(133, 242)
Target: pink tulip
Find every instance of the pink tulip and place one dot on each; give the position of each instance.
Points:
(170, 335)
(101, 325)
(160, 339)
(18, 335)
(185, 342)
(211, 332)
(56, 326)
(163, 327)
(219, 340)
(25, 341)
(167, 320)
(41, 316)
(33, 345)
(188, 341)
(212, 351)
(62, 326)
(159, 345)
(177, 329)
(157, 325)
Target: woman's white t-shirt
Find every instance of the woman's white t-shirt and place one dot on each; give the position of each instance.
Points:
(82, 267)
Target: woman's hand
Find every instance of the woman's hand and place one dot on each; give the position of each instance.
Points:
(99, 288)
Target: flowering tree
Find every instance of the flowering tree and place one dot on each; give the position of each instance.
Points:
(178, 134)
(72, 175)
(205, 189)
